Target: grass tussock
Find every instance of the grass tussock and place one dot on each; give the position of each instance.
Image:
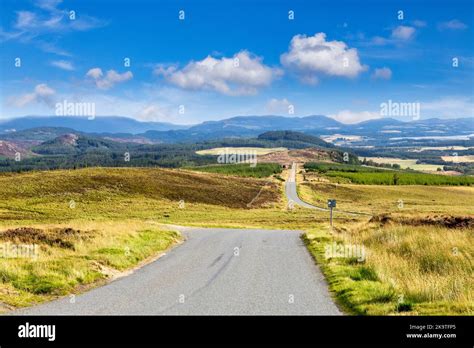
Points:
(60, 237)
(448, 221)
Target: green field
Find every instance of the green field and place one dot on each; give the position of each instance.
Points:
(373, 176)
(400, 178)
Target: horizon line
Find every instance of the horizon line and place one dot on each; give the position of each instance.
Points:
(3, 120)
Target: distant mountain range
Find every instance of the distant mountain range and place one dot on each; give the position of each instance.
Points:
(127, 129)
(72, 142)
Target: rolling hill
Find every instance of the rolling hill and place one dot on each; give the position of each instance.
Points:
(70, 143)
(10, 150)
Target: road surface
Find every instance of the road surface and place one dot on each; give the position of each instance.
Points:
(292, 193)
(216, 271)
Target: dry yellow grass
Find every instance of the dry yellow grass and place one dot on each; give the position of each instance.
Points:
(425, 265)
(419, 260)
(375, 199)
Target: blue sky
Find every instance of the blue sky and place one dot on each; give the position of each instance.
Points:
(227, 58)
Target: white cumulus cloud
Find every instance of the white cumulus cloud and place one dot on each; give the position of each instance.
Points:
(242, 74)
(312, 56)
(110, 79)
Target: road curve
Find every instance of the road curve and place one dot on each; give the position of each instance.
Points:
(292, 193)
(215, 272)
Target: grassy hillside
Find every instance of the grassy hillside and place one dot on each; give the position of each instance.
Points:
(112, 194)
(377, 199)
(98, 184)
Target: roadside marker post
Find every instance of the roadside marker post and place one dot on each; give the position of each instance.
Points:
(331, 206)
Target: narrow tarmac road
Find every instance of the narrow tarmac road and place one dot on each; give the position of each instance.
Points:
(215, 272)
(292, 193)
